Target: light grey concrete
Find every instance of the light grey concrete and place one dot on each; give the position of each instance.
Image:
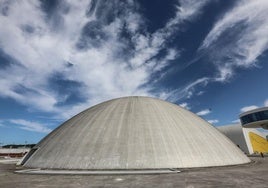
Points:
(96, 172)
(236, 134)
(9, 160)
(135, 133)
(257, 124)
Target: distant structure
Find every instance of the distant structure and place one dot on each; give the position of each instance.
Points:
(249, 140)
(19, 146)
(134, 133)
(257, 118)
(246, 135)
(13, 152)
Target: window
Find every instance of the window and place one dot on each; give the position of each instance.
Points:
(257, 116)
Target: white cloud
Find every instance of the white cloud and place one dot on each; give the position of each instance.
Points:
(212, 121)
(30, 126)
(248, 24)
(203, 112)
(2, 123)
(236, 121)
(266, 102)
(42, 47)
(247, 108)
(185, 105)
(252, 107)
(190, 8)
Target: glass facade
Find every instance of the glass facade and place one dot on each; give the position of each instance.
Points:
(257, 116)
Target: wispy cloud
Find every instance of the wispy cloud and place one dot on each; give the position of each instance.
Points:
(203, 112)
(30, 125)
(213, 121)
(188, 90)
(81, 43)
(200, 93)
(238, 38)
(247, 108)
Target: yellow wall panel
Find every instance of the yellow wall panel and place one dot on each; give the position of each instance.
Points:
(259, 144)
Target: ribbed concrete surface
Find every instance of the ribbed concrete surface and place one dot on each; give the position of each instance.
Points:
(135, 133)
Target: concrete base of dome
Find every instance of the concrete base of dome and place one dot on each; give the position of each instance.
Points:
(248, 175)
(96, 172)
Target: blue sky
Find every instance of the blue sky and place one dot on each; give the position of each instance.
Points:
(58, 58)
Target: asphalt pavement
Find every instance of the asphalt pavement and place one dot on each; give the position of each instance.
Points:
(254, 174)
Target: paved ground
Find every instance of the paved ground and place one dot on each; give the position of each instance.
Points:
(251, 175)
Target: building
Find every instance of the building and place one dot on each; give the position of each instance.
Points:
(13, 152)
(246, 135)
(249, 140)
(257, 118)
(134, 133)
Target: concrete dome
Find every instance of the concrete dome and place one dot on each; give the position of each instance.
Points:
(134, 133)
